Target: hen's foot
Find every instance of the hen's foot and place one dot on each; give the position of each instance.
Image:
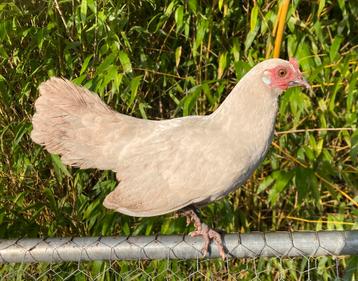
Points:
(201, 229)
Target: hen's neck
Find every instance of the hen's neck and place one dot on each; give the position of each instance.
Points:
(249, 111)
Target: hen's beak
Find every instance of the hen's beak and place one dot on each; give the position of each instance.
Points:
(299, 82)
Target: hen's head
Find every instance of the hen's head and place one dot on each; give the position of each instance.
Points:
(279, 74)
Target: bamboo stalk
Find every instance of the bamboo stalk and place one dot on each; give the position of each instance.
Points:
(281, 27)
(319, 221)
(293, 131)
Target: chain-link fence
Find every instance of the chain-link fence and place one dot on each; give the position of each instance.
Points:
(257, 244)
(281, 255)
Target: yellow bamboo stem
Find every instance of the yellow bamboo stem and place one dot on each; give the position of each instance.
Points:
(293, 131)
(281, 27)
(274, 30)
(319, 221)
(322, 179)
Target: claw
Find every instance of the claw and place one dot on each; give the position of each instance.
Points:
(208, 234)
(188, 221)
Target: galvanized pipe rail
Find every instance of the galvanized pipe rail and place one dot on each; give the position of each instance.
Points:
(248, 245)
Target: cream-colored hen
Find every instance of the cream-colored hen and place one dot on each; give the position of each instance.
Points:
(163, 166)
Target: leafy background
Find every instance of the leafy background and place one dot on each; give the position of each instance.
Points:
(163, 59)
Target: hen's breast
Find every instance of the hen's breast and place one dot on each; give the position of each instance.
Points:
(244, 144)
(241, 160)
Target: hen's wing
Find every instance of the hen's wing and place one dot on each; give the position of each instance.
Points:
(161, 166)
(173, 167)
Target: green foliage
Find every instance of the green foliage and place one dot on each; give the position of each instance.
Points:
(164, 59)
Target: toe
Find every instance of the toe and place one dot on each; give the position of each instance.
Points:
(195, 233)
(204, 251)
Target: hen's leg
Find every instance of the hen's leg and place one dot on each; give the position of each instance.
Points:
(201, 229)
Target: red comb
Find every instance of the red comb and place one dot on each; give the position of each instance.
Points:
(294, 62)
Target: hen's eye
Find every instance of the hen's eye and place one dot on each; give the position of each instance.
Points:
(282, 72)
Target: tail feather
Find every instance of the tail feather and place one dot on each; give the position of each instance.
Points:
(73, 122)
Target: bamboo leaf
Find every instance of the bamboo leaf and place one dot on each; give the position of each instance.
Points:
(354, 146)
(333, 52)
(265, 184)
(321, 5)
(200, 34)
(179, 14)
(254, 18)
(84, 10)
(126, 63)
(222, 64)
(134, 89)
(306, 184)
(282, 179)
(59, 166)
(250, 38)
(178, 55)
(193, 5)
(220, 4)
(85, 64)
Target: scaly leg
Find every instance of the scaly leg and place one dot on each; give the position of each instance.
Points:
(201, 229)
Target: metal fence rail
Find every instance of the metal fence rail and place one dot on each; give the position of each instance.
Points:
(255, 244)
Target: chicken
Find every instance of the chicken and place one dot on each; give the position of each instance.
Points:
(165, 166)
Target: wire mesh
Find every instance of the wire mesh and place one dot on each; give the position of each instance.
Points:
(293, 268)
